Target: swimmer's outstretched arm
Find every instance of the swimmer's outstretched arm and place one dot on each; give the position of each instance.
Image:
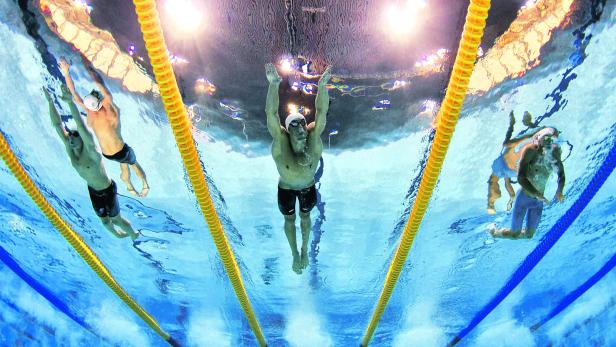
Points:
(56, 121)
(322, 102)
(272, 101)
(561, 176)
(96, 78)
(84, 133)
(65, 67)
(516, 141)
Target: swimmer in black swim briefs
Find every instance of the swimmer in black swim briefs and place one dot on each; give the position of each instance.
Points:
(105, 202)
(286, 200)
(125, 156)
(88, 162)
(104, 118)
(127, 159)
(296, 149)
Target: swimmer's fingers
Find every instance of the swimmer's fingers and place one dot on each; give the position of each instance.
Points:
(271, 73)
(66, 93)
(47, 96)
(327, 74)
(269, 68)
(64, 65)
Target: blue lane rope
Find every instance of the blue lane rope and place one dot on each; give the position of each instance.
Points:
(6, 258)
(574, 295)
(546, 244)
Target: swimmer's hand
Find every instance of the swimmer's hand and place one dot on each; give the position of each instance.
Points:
(543, 199)
(47, 96)
(271, 73)
(64, 65)
(66, 94)
(559, 197)
(327, 74)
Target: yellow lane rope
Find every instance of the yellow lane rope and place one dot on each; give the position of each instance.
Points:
(157, 51)
(73, 238)
(447, 119)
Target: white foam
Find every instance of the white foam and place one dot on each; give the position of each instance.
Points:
(420, 330)
(110, 320)
(208, 329)
(305, 327)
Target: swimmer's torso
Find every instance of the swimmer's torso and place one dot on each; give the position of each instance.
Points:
(292, 174)
(512, 157)
(106, 125)
(90, 167)
(540, 167)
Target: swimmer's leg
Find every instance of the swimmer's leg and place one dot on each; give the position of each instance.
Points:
(109, 226)
(125, 226)
(510, 129)
(305, 225)
(533, 217)
(125, 176)
(493, 193)
(139, 172)
(511, 192)
(517, 218)
(289, 230)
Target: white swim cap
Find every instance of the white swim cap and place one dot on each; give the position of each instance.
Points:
(543, 133)
(93, 101)
(291, 117)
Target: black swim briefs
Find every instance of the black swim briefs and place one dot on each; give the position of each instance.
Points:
(105, 202)
(286, 199)
(125, 156)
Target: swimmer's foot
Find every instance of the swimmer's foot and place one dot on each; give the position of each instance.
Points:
(304, 259)
(145, 190)
(135, 235)
(297, 267)
(509, 204)
(132, 191)
(495, 232)
(505, 233)
(491, 210)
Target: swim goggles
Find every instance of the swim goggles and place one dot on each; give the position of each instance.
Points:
(297, 122)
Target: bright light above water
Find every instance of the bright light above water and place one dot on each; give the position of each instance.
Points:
(529, 3)
(292, 108)
(83, 4)
(185, 16)
(401, 18)
(285, 65)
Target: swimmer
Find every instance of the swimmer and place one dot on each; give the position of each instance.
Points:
(537, 164)
(104, 119)
(88, 163)
(506, 165)
(296, 149)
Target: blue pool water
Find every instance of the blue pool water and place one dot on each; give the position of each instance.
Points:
(50, 297)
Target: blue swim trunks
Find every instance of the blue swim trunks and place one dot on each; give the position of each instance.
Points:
(501, 170)
(528, 207)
